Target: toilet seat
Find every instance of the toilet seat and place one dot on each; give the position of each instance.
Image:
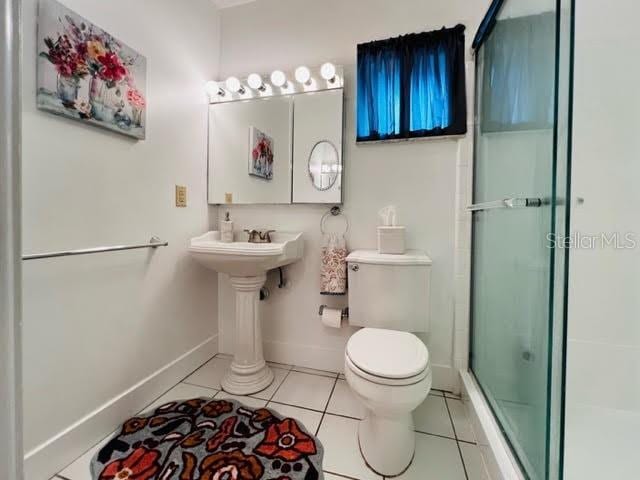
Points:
(387, 357)
(387, 382)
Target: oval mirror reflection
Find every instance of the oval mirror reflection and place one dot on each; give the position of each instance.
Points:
(324, 165)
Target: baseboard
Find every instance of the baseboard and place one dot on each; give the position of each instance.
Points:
(310, 356)
(443, 378)
(332, 360)
(52, 456)
(498, 458)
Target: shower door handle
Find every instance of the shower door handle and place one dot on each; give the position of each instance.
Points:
(518, 202)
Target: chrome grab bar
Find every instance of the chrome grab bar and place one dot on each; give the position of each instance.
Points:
(507, 203)
(155, 242)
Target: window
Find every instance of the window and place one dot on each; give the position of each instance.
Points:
(412, 86)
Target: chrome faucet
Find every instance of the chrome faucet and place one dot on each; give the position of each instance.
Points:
(259, 236)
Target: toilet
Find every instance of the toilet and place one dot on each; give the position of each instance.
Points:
(386, 365)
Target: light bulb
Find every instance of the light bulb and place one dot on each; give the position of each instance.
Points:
(303, 75)
(213, 88)
(278, 78)
(255, 81)
(234, 85)
(328, 72)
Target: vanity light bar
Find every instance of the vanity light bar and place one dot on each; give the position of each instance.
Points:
(234, 85)
(328, 72)
(303, 79)
(214, 89)
(278, 78)
(255, 82)
(303, 75)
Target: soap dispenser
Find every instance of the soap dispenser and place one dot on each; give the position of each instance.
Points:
(226, 229)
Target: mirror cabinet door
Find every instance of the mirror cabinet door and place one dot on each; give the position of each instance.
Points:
(250, 151)
(317, 147)
(324, 165)
(277, 150)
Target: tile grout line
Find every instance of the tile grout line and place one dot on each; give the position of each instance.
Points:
(335, 382)
(195, 370)
(191, 385)
(438, 435)
(468, 442)
(339, 474)
(343, 416)
(81, 455)
(316, 372)
(311, 409)
(332, 376)
(281, 383)
(281, 366)
(464, 466)
(277, 388)
(453, 426)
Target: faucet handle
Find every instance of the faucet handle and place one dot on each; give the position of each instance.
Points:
(259, 236)
(252, 234)
(266, 235)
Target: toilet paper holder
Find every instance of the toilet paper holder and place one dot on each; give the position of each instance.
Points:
(345, 311)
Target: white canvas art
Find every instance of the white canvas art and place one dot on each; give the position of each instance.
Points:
(86, 74)
(260, 154)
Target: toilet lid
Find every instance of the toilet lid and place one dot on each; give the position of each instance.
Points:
(388, 353)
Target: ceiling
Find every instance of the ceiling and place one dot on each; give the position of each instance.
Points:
(230, 3)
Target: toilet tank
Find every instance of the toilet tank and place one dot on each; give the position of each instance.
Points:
(389, 291)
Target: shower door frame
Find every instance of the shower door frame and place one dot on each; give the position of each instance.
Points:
(560, 222)
(11, 456)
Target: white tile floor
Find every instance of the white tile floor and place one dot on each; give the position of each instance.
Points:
(323, 403)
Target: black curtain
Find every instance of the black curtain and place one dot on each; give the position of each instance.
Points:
(412, 86)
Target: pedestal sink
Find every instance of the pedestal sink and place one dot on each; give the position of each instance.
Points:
(247, 265)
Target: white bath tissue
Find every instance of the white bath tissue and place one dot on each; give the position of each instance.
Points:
(388, 216)
(332, 317)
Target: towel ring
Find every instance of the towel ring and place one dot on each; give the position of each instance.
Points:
(334, 212)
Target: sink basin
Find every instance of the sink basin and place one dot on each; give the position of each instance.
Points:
(244, 259)
(247, 265)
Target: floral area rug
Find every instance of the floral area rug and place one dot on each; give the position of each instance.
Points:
(205, 439)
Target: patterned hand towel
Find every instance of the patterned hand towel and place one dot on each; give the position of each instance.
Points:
(333, 276)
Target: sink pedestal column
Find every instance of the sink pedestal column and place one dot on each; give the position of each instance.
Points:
(249, 372)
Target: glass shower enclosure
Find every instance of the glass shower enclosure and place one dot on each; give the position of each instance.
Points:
(521, 178)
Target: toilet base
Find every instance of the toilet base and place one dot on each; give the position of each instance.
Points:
(376, 434)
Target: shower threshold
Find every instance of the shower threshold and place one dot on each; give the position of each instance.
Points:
(498, 458)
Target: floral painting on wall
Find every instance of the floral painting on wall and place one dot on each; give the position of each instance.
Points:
(86, 74)
(260, 154)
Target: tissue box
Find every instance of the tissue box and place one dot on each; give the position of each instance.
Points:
(391, 240)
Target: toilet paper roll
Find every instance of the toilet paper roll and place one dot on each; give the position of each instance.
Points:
(332, 317)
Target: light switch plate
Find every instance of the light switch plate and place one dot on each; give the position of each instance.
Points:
(181, 196)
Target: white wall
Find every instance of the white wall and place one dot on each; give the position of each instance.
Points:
(95, 326)
(418, 177)
(603, 352)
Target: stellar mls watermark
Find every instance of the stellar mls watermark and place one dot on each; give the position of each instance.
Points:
(603, 240)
